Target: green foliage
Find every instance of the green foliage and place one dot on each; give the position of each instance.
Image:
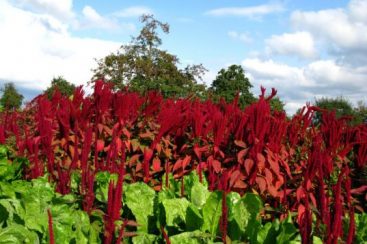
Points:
(63, 86)
(339, 105)
(360, 113)
(230, 82)
(142, 66)
(139, 198)
(276, 104)
(11, 99)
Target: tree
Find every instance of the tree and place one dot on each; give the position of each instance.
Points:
(66, 88)
(11, 99)
(142, 66)
(339, 105)
(360, 113)
(276, 104)
(231, 81)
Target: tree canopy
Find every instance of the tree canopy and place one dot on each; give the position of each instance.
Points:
(59, 83)
(231, 81)
(11, 99)
(142, 66)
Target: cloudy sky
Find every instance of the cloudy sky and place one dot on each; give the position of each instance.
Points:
(305, 49)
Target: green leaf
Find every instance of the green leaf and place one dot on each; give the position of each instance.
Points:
(139, 198)
(173, 185)
(361, 228)
(102, 180)
(194, 218)
(191, 180)
(288, 231)
(14, 209)
(212, 211)
(75, 179)
(3, 152)
(7, 190)
(175, 210)
(199, 194)
(17, 234)
(6, 170)
(317, 240)
(143, 238)
(195, 237)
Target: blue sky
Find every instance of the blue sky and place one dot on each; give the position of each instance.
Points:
(305, 49)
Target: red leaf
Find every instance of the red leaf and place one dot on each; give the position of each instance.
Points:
(126, 132)
(249, 163)
(234, 177)
(240, 143)
(216, 165)
(260, 161)
(269, 176)
(156, 164)
(301, 211)
(186, 161)
(177, 165)
(240, 184)
(241, 155)
(358, 190)
(100, 145)
(261, 182)
(118, 144)
(148, 154)
(274, 165)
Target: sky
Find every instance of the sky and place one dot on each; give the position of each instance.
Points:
(305, 49)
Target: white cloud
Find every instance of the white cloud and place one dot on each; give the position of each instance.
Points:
(42, 47)
(244, 37)
(300, 44)
(251, 12)
(298, 85)
(95, 20)
(60, 9)
(342, 31)
(135, 11)
(358, 10)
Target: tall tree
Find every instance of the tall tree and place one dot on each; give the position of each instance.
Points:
(230, 82)
(59, 83)
(143, 66)
(11, 99)
(340, 105)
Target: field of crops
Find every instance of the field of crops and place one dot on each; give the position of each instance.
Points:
(116, 166)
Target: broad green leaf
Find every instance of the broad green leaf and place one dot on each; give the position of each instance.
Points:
(102, 181)
(212, 211)
(6, 170)
(317, 240)
(287, 232)
(14, 209)
(139, 198)
(361, 227)
(195, 237)
(199, 194)
(17, 234)
(232, 199)
(194, 218)
(175, 210)
(7, 190)
(75, 179)
(144, 238)
(190, 180)
(3, 152)
(268, 233)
